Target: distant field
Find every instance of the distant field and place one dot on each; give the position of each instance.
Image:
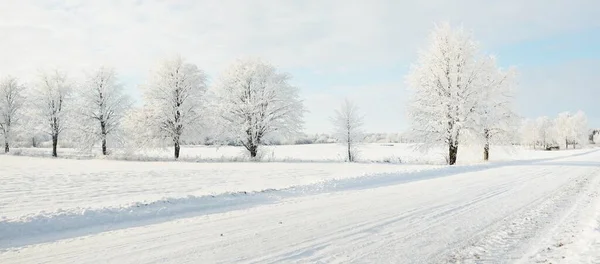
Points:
(385, 153)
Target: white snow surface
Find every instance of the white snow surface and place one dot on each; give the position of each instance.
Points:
(374, 152)
(543, 208)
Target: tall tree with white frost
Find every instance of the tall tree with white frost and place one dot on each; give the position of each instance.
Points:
(175, 98)
(348, 127)
(446, 86)
(496, 120)
(254, 101)
(102, 104)
(50, 100)
(11, 102)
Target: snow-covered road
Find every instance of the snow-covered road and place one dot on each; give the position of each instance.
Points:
(529, 212)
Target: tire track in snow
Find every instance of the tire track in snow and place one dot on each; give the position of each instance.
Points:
(505, 239)
(50, 226)
(418, 221)
(567, 241)
(250, 234)
(44, 227)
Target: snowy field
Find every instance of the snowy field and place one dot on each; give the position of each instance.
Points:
(527, 206)
(369, 153)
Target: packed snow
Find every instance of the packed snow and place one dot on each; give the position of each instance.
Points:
(531, 207)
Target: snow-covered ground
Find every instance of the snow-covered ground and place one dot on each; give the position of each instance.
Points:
(381, 153)
(535, 207)
(32, 185)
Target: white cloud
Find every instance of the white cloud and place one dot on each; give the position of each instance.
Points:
(321, 35)
(313, 35)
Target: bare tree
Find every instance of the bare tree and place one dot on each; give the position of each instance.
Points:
(348, 125)
(102, 104)
(49, 101)
(11, 101)
(175, 98)
(446, 87)
(253, 102)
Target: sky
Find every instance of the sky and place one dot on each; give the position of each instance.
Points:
(360, 50)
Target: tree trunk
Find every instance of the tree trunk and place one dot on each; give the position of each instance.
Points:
(452, 153)
(54, 145)
(350, 158)
(486, 147)
(104, 152)
(486, 152)
(103, 128)
(177, 148)
(253, 150)
(6, 147)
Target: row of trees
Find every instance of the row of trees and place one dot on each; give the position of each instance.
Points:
(460, 95)
(92, 110)
(249, 103)
(564, 130)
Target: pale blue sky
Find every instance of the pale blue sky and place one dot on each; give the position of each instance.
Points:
(334, 49)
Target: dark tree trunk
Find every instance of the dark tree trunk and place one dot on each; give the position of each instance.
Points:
(177, 148)
(54, 145)
(6, 146)
(253, 150)
(452, 153)
(103, 130)
(350, 158)
(486, 147)
(104, 152)
(486, 152)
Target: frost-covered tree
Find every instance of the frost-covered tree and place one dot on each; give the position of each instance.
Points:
(174, 99)
(545, 131)
(580, 122)
(529, 133)
(253, 101)
(140, 130)
(571, 129)
(564, 129)
(348, 127)
(496, 120)
(101, 105)
(49, 99)
(446, 87)
(11, 102)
